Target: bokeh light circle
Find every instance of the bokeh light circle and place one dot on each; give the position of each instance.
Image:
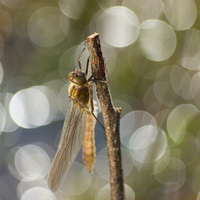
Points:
(77, 175)
(181, 81)
(45, 27)
(38, 193)
(10, 161)
(173, 176)
(67, 62)
(181, 14)
(178, 119)
(9, 125)
(191, 50)
(157, 40)
(52, 100)
(145, 9)
(158, 193)
(191, 63)
(148, 144)
(104, 193)
(131, 122)
(118, 26)
(1, 73)
(29, 108)
(32, 162)
(72, 9)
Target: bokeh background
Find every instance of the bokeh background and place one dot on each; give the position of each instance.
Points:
(152, 51)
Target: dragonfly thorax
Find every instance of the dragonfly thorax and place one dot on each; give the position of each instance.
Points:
(77, 77)
(80, 94)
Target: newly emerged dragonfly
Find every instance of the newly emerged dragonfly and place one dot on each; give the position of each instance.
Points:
(78, 128)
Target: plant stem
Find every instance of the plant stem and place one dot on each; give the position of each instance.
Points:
(111, 117)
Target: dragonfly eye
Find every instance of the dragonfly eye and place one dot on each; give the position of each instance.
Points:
(77, 77)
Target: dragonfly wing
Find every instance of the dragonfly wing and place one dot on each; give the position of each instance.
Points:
(70, 143)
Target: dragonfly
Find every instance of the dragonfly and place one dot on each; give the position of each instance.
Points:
(78, 128)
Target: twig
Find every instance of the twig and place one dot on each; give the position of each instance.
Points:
(111, 117)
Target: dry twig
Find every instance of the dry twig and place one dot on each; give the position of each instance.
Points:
(111, 117)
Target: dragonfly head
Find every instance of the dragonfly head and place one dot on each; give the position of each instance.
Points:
(77, 77)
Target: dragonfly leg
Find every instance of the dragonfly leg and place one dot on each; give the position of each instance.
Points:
(79, 62)
(86, 71)
(98, 80)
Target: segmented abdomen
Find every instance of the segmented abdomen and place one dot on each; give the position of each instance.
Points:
(89, 150)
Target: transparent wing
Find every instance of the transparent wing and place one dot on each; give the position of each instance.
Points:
(70, 143)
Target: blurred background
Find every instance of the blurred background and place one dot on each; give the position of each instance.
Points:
(152, 51)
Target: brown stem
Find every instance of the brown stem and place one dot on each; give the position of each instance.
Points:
(111, 117)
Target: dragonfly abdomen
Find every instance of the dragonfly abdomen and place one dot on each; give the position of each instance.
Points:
(89, 151)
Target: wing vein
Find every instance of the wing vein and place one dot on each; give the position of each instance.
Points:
(70, 143)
